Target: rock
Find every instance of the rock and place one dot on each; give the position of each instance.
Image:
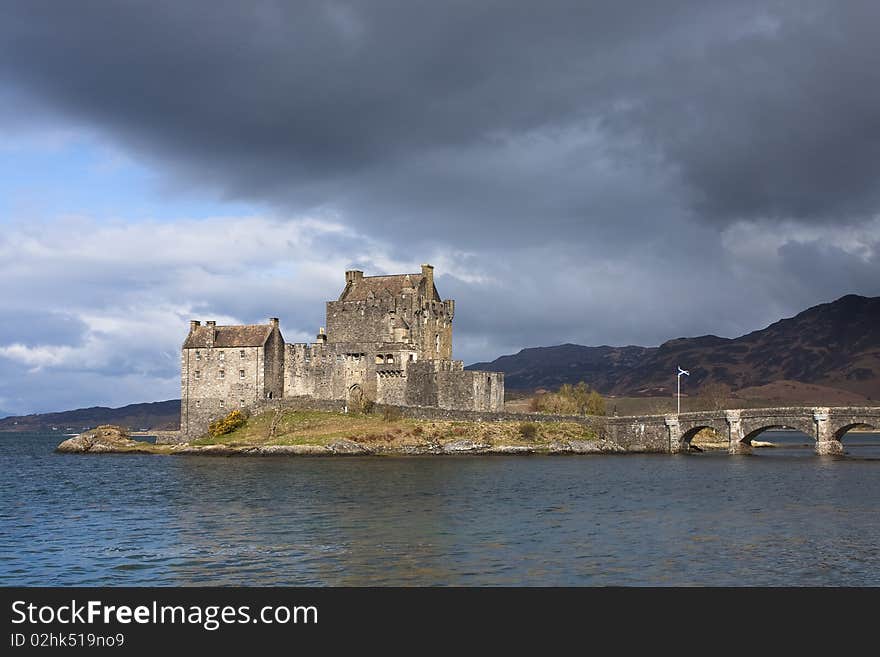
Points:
(106, 438)
(345, 446)
(511, 449)
(463, 445)
(214, 450)
(762, 443)
(297, 450)
(584, 446)
(594, 447)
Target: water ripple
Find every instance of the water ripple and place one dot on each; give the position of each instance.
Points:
(780, 517)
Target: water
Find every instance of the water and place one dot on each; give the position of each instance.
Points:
(780, 517)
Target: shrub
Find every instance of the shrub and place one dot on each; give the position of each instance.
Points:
(417, 431)
(459, 431)
(528, 430)
(570, 400)
(595, 404)
(228, 424)
(367, 406)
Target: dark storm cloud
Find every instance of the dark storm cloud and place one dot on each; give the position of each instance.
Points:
(485, 116)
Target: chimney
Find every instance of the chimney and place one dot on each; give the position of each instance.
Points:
(194, 324)
(211, 324)
(353, 276)
(273, 322)
(428, 273)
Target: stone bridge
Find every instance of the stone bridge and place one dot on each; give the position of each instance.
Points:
(827, 426)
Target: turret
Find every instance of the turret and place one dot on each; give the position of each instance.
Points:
(428, 273)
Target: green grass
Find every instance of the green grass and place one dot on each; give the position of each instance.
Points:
(321, 428)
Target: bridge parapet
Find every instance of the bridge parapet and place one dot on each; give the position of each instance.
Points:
(825, 425)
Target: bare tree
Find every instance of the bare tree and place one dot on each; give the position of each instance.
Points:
(714, 396)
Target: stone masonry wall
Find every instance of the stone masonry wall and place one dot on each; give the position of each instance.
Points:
(274, 365)
(212, 384)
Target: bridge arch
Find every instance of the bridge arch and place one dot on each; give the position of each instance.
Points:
(688, 435)
(754, 433)
(842, 431)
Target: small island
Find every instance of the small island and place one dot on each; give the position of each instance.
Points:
(325, 433)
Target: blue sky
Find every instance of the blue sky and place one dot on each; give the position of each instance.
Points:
(586, 172)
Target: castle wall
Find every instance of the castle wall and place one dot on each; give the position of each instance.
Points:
(206, 395)
(446, 384)
(391, 387)
(273, 371)
(363, 321)
(470, 390)
(421, 384)
(432, 329)
(326, 371)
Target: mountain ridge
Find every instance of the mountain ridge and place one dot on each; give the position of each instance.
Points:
(835, 344)
(146, 415)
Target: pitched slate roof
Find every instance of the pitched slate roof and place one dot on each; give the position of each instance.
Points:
(252, 335)
(380, 286)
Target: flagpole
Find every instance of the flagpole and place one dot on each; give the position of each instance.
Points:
(678, 394)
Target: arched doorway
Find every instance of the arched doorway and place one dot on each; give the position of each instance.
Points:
(355, 398)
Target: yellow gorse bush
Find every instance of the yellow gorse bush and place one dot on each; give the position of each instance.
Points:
(228, 424)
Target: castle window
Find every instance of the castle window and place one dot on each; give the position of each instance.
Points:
(197, 375)
(221, 356)
(307, 358)
(379, 359)
(338, 358)
(198, 403)
(241, 354)
(222, 374)
(222, 403)
(198, 355)
(241, 402)
(437, 342)
(389, 358)
(240, 374)
(412, 358)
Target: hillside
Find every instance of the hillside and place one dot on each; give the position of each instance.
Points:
(834, 345)
(152, 415)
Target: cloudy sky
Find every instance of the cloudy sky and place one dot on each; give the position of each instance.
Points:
(591, 172)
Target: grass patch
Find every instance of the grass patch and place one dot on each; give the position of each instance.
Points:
(322, 428)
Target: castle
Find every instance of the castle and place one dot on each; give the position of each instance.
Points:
(388, 341)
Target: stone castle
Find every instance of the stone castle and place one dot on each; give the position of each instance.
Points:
(388, 341)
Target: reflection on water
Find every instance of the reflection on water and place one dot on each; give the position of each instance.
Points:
(781, 516)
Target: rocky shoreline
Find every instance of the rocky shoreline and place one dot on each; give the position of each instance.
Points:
(115, 440)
